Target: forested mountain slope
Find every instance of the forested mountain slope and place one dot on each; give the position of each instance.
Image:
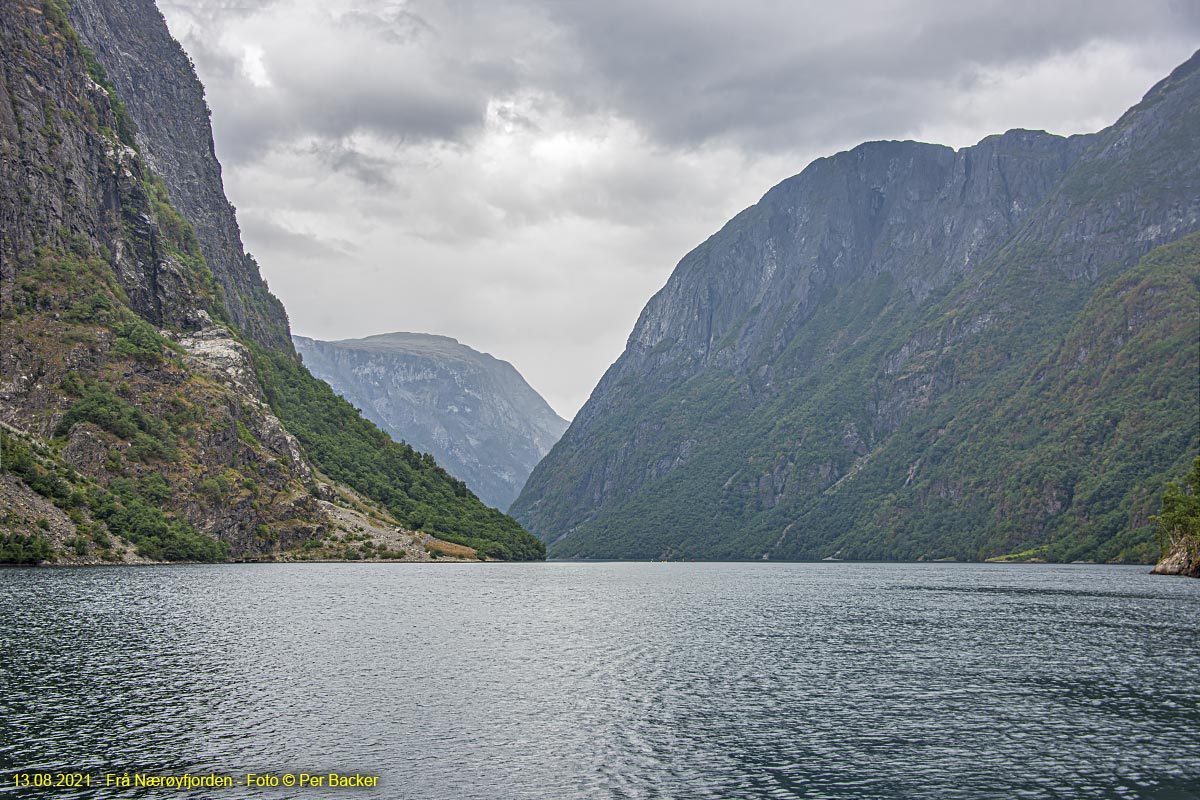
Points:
(907, 351)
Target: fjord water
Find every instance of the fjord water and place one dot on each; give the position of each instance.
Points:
(610, 680)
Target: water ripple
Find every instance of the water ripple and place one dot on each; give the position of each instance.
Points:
(612, 680)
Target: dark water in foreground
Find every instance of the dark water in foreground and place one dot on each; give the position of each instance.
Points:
(610, 680)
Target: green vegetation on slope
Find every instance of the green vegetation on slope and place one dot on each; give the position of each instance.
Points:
(127, 509)
(409, 484)
(55, 12)
(1045, 433)
(1179, 520)
(24, 548)
(1055, 441)
(149, 419)
(151, 437)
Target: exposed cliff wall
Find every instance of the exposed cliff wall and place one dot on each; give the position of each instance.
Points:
(795, 388)
(69, 174)
(474, 413)
(155, 79)
(107, 306)
(132, 399)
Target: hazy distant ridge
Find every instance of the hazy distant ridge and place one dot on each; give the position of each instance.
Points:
(474, 413)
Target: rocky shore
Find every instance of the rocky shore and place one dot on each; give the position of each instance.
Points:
(1179, 560)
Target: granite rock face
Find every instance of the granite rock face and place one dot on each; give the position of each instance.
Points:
(155, 79)
(99, 284)
(793, 389)
(1180, 560)
(474, 413)
(64, 184)
(147, 401)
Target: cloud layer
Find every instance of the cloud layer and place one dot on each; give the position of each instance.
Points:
(523, 175)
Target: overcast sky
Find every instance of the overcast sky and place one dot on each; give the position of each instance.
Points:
(524, 175)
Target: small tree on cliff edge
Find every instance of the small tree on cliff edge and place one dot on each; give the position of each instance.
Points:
(1179, 522)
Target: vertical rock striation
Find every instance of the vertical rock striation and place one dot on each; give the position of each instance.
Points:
(155, 403)
(103, 288)
(832, 371)
(155, 78)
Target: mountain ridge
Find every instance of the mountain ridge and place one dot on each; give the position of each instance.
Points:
(473, 412)
(875, 292)
(141, 420)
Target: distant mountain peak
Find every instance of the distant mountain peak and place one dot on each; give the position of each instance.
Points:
(473, 412)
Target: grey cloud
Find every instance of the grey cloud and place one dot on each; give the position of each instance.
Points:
(332, 110)
(517, 119)
(330, 76)
(380, 195)
(211, 12)
(267, 233)
(760, 73)
(368, 170)
(394, 25)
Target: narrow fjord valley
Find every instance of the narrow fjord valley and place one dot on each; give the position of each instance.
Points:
(908, 352)
(153, 406)
(473, 413)
(905, 352)
(905, 355)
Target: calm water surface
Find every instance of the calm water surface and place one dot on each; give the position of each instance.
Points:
(568, 680)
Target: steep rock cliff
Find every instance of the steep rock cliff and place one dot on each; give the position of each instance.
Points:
(793, 389)
(131, 398)
(155, 79)
(104, 292)
(473, 413)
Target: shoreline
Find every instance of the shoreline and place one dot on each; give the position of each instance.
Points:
(293, 562)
